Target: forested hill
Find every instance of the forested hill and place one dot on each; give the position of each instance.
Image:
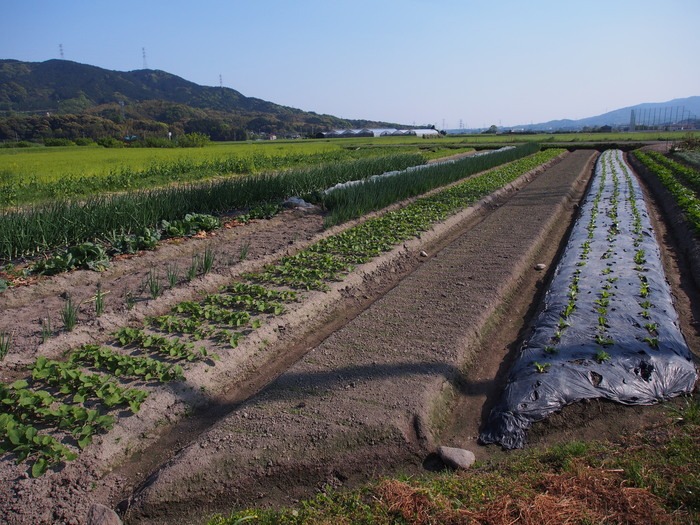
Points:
(31, 90)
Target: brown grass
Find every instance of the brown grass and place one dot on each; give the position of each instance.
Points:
(585, 496)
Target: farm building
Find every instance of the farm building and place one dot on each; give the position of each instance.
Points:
(376, 132)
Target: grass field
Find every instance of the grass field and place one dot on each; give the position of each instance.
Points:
(49, 164)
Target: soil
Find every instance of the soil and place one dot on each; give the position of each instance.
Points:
(405, 354)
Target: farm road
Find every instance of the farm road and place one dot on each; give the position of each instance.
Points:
(374, 395)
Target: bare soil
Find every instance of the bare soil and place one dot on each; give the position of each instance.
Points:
(407, 353)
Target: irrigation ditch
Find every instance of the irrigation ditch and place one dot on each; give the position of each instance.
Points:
(340, 383)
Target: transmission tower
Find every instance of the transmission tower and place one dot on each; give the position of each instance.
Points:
(143, 52)
(60, 50)
(221, 81)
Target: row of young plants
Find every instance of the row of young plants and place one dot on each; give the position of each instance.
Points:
(49, 417)
(333, 257)
(96, 255)
(670, 175)
(158, 351)
(688, 176)
(353, 201)
(608, 328)
(60, 400)
(31, 231)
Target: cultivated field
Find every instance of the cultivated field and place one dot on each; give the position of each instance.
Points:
(246, 353)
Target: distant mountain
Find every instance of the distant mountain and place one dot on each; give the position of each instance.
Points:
(145, 98)
(653, 114)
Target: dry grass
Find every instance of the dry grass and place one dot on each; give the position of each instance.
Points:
(586, 496)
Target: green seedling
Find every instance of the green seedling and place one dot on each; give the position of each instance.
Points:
(644, 289)
(652, 328)
(130, 300)
(172, 275)
(99, 299)
(69, 314)
(604, 341)
(207, 261)
(243, 253)
(194, 267)
(602, 356)
(652, 341)
(153, 283)
(46, 330)
(5, 344)
(541, 368)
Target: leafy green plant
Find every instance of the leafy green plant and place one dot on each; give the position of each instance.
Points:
(87, 255)
(541, 368)
(192, 223)
(71, 381)
(652, 328)
(604, 341)
(643, 289)
(602, 356)
(25, 442)
(126, 365)
(652, 342)
(172, 348)
(127, 243)
(41, 407)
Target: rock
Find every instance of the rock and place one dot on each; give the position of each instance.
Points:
(456, 457)
(423, 253)
(539, 267)
(101, 515)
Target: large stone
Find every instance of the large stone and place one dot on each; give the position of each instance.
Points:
(101, 515)
(456, 457)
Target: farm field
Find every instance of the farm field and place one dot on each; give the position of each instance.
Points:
(42, 165)
(363, 369)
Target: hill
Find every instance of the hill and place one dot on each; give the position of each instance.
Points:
(676, 112)
(37, 97)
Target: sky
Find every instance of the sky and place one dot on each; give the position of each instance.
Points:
(441, 62)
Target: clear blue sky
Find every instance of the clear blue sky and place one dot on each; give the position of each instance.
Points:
(503, 62)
